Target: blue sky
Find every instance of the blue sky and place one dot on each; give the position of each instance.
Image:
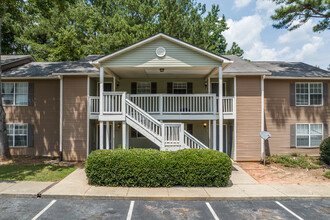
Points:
(250, 26)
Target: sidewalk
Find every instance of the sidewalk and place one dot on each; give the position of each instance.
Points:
(242, 187)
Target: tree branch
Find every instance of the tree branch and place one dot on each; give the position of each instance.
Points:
(315, 12)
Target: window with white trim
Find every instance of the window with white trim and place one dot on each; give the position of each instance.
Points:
(309, 135)
(180, 88)
(143, 88)
(15, 93)
(309, 93)
(17, 135)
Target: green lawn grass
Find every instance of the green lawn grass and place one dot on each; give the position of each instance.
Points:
(39, 172)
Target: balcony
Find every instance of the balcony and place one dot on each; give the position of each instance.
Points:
(166, 106)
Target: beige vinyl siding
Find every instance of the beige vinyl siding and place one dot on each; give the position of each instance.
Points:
(43, 115)
(176, 56)
(248, 118)
(279, 115)
(74, 118)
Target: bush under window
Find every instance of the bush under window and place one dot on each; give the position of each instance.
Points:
(153, 168)
(325, 150)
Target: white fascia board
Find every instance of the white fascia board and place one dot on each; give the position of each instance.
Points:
(75, 74)
(160, 35)
(305, 78)
(244, 74)
(29, 77)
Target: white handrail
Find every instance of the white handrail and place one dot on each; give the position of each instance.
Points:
(145, 120)
(191, 142)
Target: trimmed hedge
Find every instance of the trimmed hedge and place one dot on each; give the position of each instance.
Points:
(325, 150)
(153, 168)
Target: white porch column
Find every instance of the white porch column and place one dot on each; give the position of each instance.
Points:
(220, 111)
(107, 135)
(101, 135)
(123, 142)
(214, 134)
(113, 135)
(127, 137)
(209, 92)
(101, 89)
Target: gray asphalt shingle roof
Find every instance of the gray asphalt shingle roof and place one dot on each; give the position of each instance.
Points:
(242, 66)
(5, 59)
(46, 69)
(291, 69)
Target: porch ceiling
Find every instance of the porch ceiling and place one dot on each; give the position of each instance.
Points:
(169, 72)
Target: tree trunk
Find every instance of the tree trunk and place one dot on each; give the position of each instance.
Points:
(4, 148)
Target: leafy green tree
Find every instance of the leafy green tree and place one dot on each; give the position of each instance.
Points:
(235, 50)
(294, 13)
(6, 6)
(86, 27)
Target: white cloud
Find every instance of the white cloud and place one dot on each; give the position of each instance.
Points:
(241, 3)
(302, 45)
(299, 35)
(309, 49)
(245, 31)
(267, 6)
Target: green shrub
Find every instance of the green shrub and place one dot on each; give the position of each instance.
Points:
(325, 150)
(153, 168)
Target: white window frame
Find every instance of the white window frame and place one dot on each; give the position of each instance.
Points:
(141, 84)
(14, 94)
(186, 84)
(309, 134)
(14, 134)
(309, 93)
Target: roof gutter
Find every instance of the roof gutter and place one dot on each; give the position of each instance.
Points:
(30, 77)
(310, 78)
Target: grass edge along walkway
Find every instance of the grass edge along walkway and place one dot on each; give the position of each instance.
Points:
(38, 172)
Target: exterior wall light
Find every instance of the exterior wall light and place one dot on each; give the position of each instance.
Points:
(204, 124)
(161, 70)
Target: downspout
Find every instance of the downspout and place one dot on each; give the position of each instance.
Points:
(61, 118)
(262, 116)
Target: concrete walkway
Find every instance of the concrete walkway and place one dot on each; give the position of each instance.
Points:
(242, 187)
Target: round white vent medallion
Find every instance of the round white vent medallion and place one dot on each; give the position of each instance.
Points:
(160, 51)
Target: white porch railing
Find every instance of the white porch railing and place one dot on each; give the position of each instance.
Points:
(191, 142)
(164, 103)
(113, 102)
(94, 105)
(227, 104)
(143, 119)
(182, 104)
(173, 134)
